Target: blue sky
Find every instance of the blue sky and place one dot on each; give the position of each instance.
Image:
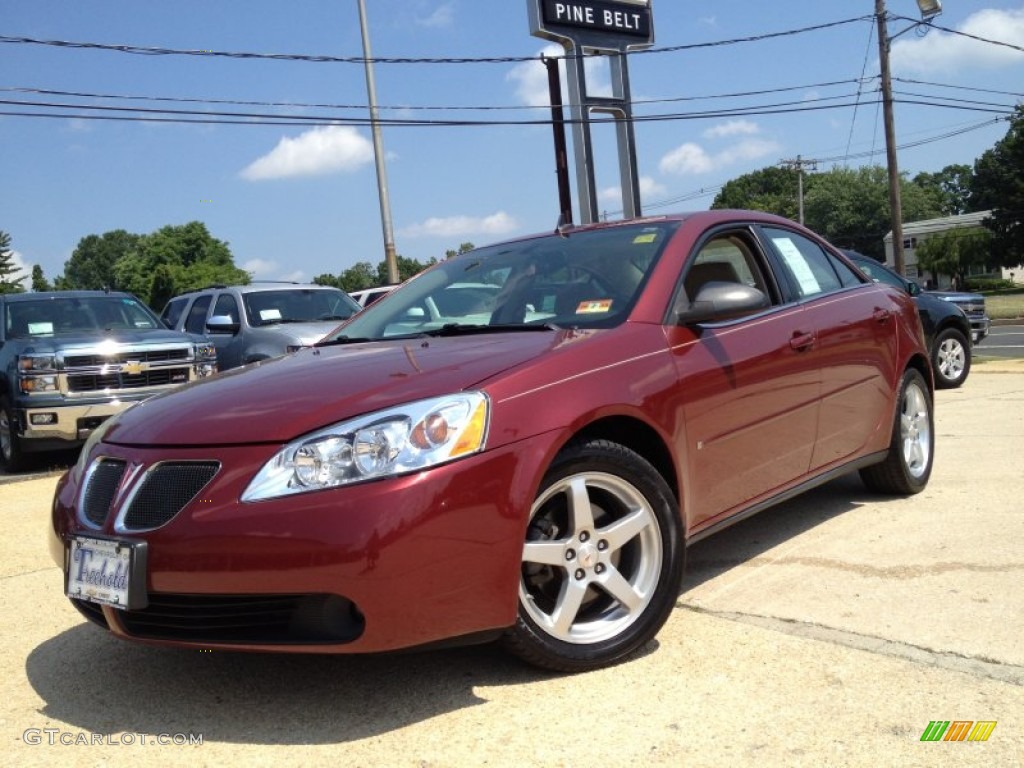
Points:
(297, 201)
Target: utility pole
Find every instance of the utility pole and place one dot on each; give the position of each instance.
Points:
(895, 201)
(798, 165)
(390, 257)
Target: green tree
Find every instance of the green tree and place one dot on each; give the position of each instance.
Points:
(9, 283)
(39, 281)
(951, 186)
(463, 248)
(772, 189)
(999, 187)
(954, 251)
(850, 207)
(92, 263)
(406, 269)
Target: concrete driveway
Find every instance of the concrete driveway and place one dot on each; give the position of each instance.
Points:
(828, 631)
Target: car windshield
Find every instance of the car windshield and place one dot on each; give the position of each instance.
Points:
(587, 279)
(298, 305)
(63, 315)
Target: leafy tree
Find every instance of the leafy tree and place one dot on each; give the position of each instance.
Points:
(91, 266)
(406, 269)
(951, 186)
(39, 281)
(771, 189)
(463, 248)
(850, 207)
(999, 187)
(9, 283)
(954, 251)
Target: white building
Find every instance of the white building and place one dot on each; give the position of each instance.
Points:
(915, 232)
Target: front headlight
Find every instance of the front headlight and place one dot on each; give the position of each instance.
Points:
(406, 438)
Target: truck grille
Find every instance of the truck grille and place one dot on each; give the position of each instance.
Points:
(99, 382)
(143, 356)
(166, 489)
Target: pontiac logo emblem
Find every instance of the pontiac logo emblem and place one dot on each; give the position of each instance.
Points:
(134, 367)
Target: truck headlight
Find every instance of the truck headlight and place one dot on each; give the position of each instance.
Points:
(37, 373)
(403, 439)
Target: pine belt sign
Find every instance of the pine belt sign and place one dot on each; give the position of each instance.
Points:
(616, 25)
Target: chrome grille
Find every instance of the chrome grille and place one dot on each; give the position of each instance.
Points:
(95, 382)
(141, 356)
(165, 491)
(100, 489)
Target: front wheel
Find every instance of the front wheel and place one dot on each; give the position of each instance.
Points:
(602, 561)
(951, 359)
(11, 456)
(908, 465)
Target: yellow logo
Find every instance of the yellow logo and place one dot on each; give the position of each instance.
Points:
(134, 367)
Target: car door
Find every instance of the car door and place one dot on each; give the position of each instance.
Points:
(854, 347)
(749, 385)
(230, 346)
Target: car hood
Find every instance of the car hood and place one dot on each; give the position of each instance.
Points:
(277, 400)
(304, 334)
(68, 343)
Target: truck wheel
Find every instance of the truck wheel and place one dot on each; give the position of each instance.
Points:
(951, 359)
(11, 457)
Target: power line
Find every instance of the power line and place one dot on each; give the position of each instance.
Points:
(961, 34)
(325, 59)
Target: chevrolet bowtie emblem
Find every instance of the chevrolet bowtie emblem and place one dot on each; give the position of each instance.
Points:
(134, 367)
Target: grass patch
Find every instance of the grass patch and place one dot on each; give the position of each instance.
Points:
(1005, 304)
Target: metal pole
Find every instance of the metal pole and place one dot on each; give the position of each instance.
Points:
(561, 150)
(895, 203)
(390, 258)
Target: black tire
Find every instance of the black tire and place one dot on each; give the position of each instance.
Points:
(908, 464)
(951, 359)
(12, 458)
(602, 562)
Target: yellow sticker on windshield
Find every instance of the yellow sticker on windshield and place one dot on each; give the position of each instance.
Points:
(649, 237)
(589, 307)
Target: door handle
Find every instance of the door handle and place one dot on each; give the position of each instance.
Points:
(801, 341)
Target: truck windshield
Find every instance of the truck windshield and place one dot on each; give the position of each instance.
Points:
(59, 315)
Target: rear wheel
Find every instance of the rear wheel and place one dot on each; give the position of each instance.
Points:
(951, 359)
(908, 465)
(11, 456)
(602, 561)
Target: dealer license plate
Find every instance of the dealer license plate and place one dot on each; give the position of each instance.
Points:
(105, 571)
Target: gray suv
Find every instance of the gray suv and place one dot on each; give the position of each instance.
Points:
(248, 323)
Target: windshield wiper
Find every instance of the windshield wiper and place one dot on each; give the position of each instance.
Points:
(344, 340)
(460, 329)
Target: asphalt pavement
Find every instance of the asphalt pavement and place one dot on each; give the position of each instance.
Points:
(828, 631)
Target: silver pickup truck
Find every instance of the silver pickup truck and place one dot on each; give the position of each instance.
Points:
(71, 359)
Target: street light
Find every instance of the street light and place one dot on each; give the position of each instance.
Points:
(929, 9)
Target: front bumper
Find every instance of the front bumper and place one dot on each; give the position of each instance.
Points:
(43, 427)
(389, 564)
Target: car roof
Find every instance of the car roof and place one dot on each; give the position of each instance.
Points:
(259, 287)
(37, 295)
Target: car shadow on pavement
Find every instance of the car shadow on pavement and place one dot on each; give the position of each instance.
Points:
(92, 681)
(772, 527)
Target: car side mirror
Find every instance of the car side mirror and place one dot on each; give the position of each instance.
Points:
(222, 324)
(720, 301)
(914, 289)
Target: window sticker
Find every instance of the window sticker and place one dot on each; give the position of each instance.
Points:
(593, 306)
(798, 264)
(40, 328)
(270, 314)
(647, 237)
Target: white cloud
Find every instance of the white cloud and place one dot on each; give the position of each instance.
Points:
(499, 223)
(259, 267)
(648, 188)
(691, 158)
(320, 151)
(24, 269)
(531, 78)
(298, 276)
(443, 16)
(732, 128)
(942, 52)
(686, 158)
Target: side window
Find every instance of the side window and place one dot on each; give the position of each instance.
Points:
(806, 262)
(847, 276)
(196, 321)
(172, 312)
(226, 305)
(727, 258)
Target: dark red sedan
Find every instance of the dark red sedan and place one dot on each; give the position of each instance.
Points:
(519, 443)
